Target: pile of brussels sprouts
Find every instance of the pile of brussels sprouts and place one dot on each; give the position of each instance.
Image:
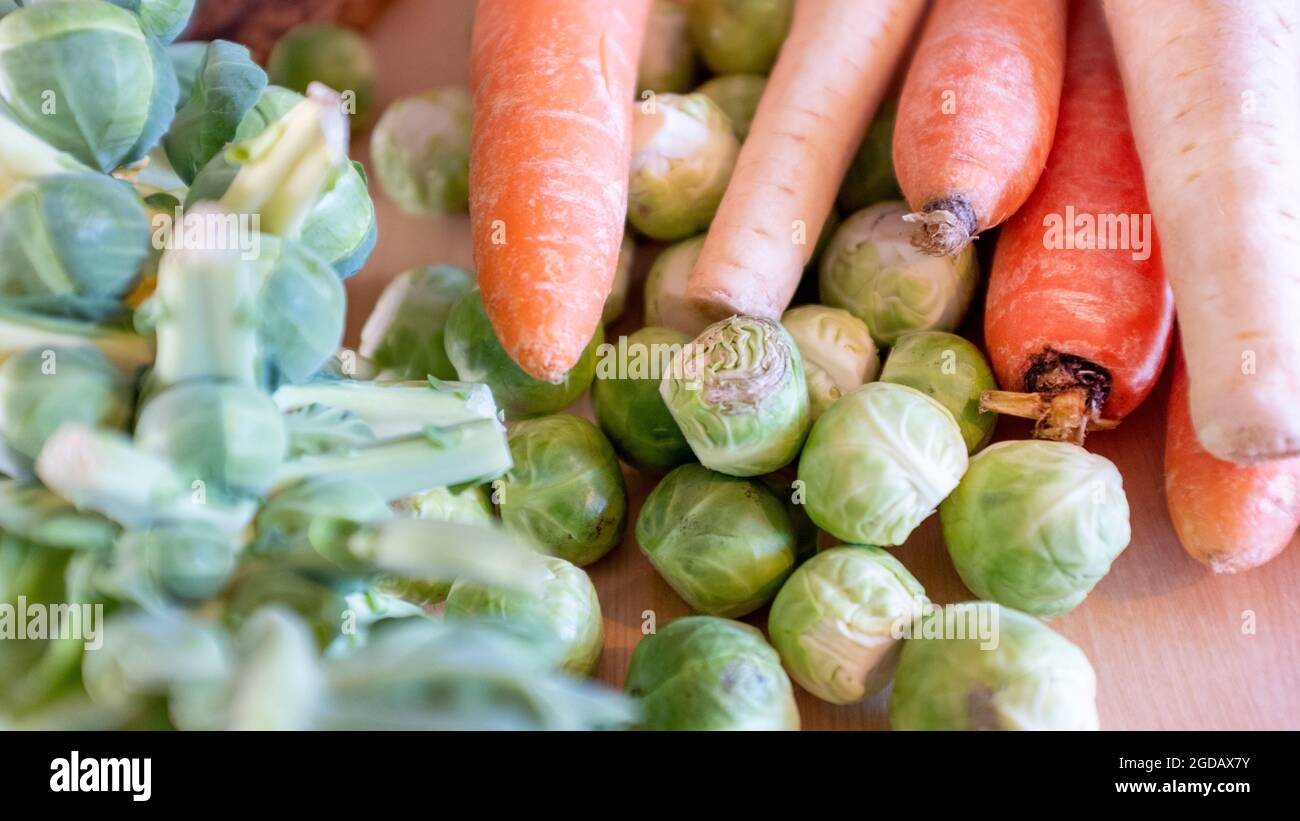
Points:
(262, 519)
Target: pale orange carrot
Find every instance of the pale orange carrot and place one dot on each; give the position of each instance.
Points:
(1229, 517)
(977, 114)
(1213, 91)
(553, 83)
(830, 77)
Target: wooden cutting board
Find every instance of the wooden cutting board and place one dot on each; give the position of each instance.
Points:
(1174, 647)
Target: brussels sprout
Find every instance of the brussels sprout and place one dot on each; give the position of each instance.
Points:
(283, 524)
(737, 95)
(629, 407)
(229, 436)
(164, 19)
(43, 388)
(189, 562)
(704, 673)
(739, 397)
(1020, 676)
(566, 612)
(421, 151)
(565, 489)
(740, 35)
(724, 544)
(951, 371)
(666, 304)
(301, 307)
(616, 302)
(185, 59)
(807, 537)
(872, 271)
(870, 178)
(878, 462)
(343, 227)
(404, 335)
(325, 53)
(1035, 524)
(470, 506)
(273, 104)
(73, 241)
(477, 356)
(838, 354)
(115, 87)
(683, 153)
(668, 61)
(836, 621)
(225, 86)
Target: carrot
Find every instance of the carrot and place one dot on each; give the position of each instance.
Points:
(830, 77)
(976, 115)
(553, 84)
(1214, 92)
(1229, 517)
(1078, 312)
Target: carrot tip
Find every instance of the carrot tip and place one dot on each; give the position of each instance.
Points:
(945, 226)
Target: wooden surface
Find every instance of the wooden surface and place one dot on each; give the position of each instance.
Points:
(1174, 647)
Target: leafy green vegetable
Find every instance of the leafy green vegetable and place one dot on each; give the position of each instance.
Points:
(404, 336)
(421, 150)
(630, 410)
(330, 54)
(950, 370)
(226, 85)
(837, 351)
(739, 35)
(737, 95)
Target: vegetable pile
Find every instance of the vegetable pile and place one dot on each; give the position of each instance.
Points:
(286, 534)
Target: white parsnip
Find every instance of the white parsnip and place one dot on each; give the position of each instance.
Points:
(1213, 91)
(833, 71)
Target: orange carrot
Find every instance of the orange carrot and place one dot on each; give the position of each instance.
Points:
(833, 70)
(976, 115)
(1227, 516)
(1214, 94)
(1079, 314)
(553, 82)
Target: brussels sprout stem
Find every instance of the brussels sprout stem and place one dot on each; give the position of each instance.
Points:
(395, 408)
(473, 451)
(285, 168)
(20, 331)
(1064, 396)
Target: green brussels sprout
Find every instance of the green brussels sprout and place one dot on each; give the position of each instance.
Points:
(807, 537)
(683, 153)
(471, 506)
(343, 227)
(187, 561)
(953, 372)
(321, 604)
(1019, 675)
(73, 240)
(737, 95)
(42, 388)
(283, 524)
(668, 61)
(300, 314)
(736, 36)
(566, 613)
(164, 19)
(870, 178)
(59, 52)
(872, 270)
(837, 621)
(477, 356)
(739, 397)
(726, 545)
(616, 302)
(705, 673)
(404, 335)
(225, 86)
(565, 490)
(420, 148)
(837, 351)
(330, 54)
(229, 436)
(878, 462)
(628, 405)
(666, 304)
(186, 58)
(273, 104)
(1036, 524)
